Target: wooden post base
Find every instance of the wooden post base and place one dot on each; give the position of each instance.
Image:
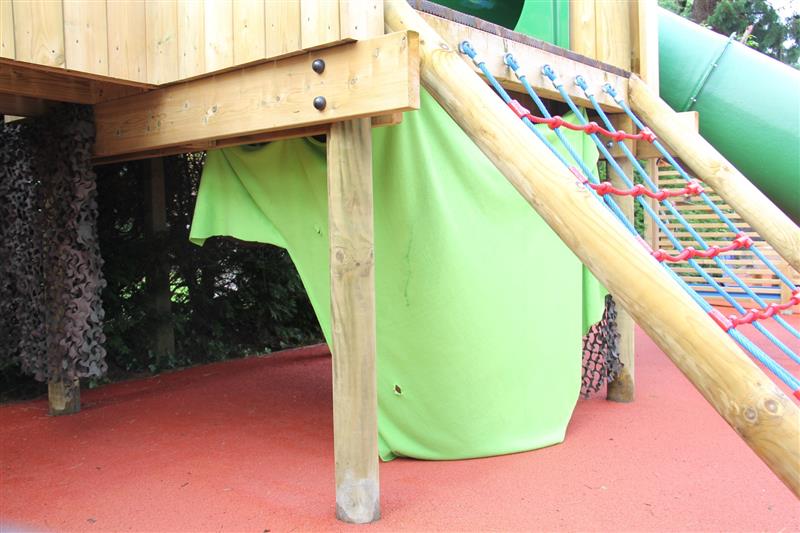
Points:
(64, 397)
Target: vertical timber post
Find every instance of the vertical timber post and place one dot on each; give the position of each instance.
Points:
(355, 399)
(352, 264)
(64, 397)
(622, 389)
(159, 293)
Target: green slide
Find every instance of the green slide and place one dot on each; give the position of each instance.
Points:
(749, 104)
(480, 307)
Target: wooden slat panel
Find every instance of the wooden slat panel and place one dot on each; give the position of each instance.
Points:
(218, 34)
(741, 262)
(39, 32)
(191, 38)
(282, 22)
(162, 41)
(249, 42)
(319, 22)
(359, 18)
(86, 36)
(7, 29)
(127, 49)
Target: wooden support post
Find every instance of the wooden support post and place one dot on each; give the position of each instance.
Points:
(163, 335)
(355, 398)
(710, 166)
(750, 402)
(622, 389)
(650, 227)
(64, 397)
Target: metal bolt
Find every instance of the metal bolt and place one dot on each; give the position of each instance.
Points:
(320, 103)
(318, 66)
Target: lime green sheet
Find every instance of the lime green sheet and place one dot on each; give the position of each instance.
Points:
(480, 307)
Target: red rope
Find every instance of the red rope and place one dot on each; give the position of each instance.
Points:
(605, 187)
(760, 314)
(592, 127)
(741, 241)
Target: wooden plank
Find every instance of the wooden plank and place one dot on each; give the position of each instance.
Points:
(127, 49)
(249, 41)
(644, 40)
(352, 264)
(7, 30)
(613, 33)
(766, 419)
(359, 18)
(218, 34)
(491, 49)
(582, 27)
(39, 32)
(60, 85)
(319, 22)
(161, 20)
(282, 22)
(367, 78)
(623, 388)
(191, 38)
(86, 35)
(710, 166)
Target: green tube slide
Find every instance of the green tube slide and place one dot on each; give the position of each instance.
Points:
(749, 104)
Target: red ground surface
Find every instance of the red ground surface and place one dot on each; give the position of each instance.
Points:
(246, 446)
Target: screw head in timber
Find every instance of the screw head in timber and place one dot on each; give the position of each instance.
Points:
(320, 103)
(318, 66)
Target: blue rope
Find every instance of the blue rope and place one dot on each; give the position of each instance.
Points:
(719, 262)
(749, 346)
(722, 216)
(713, 283)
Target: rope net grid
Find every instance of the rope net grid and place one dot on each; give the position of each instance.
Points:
(666, 217)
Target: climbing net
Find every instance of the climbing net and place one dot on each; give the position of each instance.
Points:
(605, 192)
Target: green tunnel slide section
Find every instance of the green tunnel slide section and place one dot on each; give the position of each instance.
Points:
(749, 104)
(480, 307)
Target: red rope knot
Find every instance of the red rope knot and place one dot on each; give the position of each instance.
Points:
(694, 188)
(592, 127)
(555, 122)
(742, 241)
(758, 314)
(647, 135)
(620, 135)
(721, 320)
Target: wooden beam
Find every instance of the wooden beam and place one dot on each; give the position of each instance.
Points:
(352, 264)
(750, 402)
(62, 85)
(159, 294)
(491, 48)
(623, 388)
(710, 166)
(64, 397)
(22, 106)
(687, 120)
(366, 78)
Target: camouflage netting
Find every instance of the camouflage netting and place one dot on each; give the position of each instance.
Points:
(601, 363)
(51, 278)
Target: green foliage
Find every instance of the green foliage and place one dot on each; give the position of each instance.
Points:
(772, 34)
(229, 298)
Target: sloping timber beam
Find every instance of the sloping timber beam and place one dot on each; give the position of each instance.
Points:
(18, 78)
(491, 48)
(259, 102)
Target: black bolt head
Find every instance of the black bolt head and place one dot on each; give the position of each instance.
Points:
(320, 103)
(318, 66)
